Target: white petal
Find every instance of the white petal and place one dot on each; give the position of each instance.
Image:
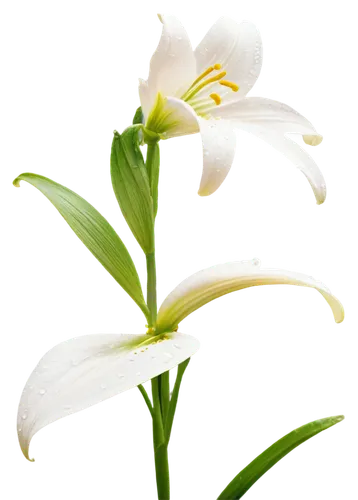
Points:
(86, 370)
(180, 119)
(294, 155)
(219, 143)
(266, 113)
(211, 283)
(238, 48)
(173, 66)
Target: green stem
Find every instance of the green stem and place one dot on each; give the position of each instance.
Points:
(151, 289)
(146, 398)
(174, 400)
(152, 163)
(160, 446)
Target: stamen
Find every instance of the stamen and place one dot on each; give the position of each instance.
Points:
(217, 66)
(202, 85)
(216, 98)
(203, 75)
(233, 86)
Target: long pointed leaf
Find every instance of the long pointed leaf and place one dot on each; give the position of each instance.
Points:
(257, 468)
(94, 231)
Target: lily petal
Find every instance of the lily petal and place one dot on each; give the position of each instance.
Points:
(173, 66)
(211, 283)
(172, 117)
(87, 370)
(294, 155)
(219, 142)
(238, 48)
(266, 113)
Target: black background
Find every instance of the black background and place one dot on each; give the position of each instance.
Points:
(271, 357)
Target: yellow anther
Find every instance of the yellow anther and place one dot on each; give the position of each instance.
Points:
(312, 141)
(150, 331)
(233, 86)
(216, 98)
(217, 66)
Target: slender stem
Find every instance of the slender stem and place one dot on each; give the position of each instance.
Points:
(146, 398)
(160, 446)
(152, 289)
(160, 385)
(174, 399)
(164, 394)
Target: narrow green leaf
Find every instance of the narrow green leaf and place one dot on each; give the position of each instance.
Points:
(94, 231)
(131, 186)
(257, 468)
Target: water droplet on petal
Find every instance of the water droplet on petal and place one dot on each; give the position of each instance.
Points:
(138, 374)
(24, 416)
(42, 392)
(103, 386)
(168, 356)
(67, 407)
(177, 346)
(120, 375)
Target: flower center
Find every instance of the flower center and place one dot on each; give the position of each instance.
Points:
(198, 95)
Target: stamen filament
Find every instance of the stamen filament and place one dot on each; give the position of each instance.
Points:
(203, 84)
(233, 86)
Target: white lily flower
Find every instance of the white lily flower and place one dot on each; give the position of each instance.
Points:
(87, 370)
(205, 91)
(213, 282)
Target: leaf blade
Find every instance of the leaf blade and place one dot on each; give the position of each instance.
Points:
(94, 231)
(261, 464)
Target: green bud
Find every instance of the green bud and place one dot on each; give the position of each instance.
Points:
(131, 186)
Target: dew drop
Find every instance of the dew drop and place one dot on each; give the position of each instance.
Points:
(42, 392)
(177, 346)
(153, 356)
(67, 407)
(103, 386)
(168, 356)
(138, 374)
(24, 416)
(19, 429)
(120, 375)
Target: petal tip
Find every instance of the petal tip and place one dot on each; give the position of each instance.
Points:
(160, 17)
(16, 182)
(313, 140)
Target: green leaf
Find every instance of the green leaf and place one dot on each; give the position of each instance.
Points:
(131, 186)
(257, 468)
(138, 117)
(94, 231)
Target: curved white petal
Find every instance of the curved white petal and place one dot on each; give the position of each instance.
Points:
(238, 48)
(267, 113)
(219, 142)
(178, 119)
(173, 66)
(145, 98)
(294, 155)
(211, 283)
(86, 370)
